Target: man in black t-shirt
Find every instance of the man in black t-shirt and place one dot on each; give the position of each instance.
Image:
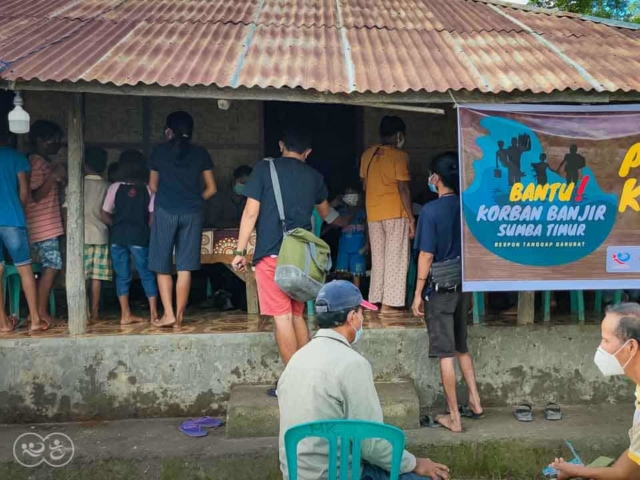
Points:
(303, 189)
(438, 238)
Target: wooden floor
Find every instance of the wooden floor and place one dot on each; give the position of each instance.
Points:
(205, 322)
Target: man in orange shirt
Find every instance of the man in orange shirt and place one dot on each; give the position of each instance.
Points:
(384, 169)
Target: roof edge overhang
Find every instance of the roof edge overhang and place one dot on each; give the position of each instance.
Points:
(314, 96)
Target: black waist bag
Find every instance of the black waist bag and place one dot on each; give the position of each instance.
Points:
(447, 275)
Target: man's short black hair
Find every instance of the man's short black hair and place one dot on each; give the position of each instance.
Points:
(242, 171)
(45, 130)
(333, 319)
(629, 325)
(297, 139)
(447, 167)
(390, 125)
(112, 172)
(96, 159)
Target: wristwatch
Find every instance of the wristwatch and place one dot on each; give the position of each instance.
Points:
(240, 253)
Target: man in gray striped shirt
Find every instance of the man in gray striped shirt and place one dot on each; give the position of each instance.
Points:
(327, 379)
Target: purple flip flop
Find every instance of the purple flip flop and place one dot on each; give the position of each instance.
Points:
(192, 430)
(204, 422)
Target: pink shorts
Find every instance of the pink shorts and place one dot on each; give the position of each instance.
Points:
(273, 301)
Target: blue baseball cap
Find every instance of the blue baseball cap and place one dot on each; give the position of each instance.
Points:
(341, 295)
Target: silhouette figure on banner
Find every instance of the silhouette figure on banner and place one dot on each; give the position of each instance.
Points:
(502, 160)
(540, 170)
(511, 158)
(573, 162)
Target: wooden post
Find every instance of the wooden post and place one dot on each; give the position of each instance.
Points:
(146, 126)
(526, 308)
(75, 280)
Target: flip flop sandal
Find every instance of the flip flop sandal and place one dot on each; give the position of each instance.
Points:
(552, 412)
(429, 422)
(205, 422)
(524, 413)
(193, 431)
(466, 412)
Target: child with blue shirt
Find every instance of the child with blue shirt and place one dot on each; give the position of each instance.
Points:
(353, 240)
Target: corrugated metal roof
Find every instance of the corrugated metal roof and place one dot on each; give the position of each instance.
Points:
(337, 46)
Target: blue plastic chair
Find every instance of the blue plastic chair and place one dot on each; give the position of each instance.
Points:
(350, 433)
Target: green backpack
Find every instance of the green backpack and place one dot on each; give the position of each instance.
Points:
(304, 259)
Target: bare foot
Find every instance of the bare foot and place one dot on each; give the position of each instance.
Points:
(45, 317)
(40, 326)
(476, 407)
(164, 322)
(447, 422)
(178, 324)
(8, 324)
(131, 319)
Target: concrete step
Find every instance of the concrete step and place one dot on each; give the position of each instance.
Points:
(252, 413)
(496, 447)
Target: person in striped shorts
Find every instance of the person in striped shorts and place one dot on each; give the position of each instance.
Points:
(44, 216)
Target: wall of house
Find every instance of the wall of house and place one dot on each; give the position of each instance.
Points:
(427, 136)
(233, 137)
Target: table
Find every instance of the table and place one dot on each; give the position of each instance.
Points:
(217, 247)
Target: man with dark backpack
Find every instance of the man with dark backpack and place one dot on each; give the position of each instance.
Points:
(302, 190)
(573, 162)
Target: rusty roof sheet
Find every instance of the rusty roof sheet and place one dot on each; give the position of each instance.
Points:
(338, 46)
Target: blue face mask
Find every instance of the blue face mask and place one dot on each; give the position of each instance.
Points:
(432, 187)
(238, 188)
(358, 331)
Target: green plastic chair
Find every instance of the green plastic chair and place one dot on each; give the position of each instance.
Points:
(478, 307)
(577, 303)
(350, 433)
(11, 278)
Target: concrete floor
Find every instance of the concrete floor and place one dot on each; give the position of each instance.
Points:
(495, 447)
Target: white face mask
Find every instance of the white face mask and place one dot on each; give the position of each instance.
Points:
(351, 199)
(401, 142)
(359, 331)
(608, 362)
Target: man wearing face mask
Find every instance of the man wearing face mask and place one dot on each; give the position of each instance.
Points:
(328, 380)
(439, 280)
(618, 354)
(224, 210)
(384, 169)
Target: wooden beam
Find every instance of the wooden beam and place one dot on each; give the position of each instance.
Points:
(313, 96)
(526, 308)
(75, 280)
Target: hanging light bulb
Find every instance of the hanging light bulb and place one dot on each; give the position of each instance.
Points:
(19, 120)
